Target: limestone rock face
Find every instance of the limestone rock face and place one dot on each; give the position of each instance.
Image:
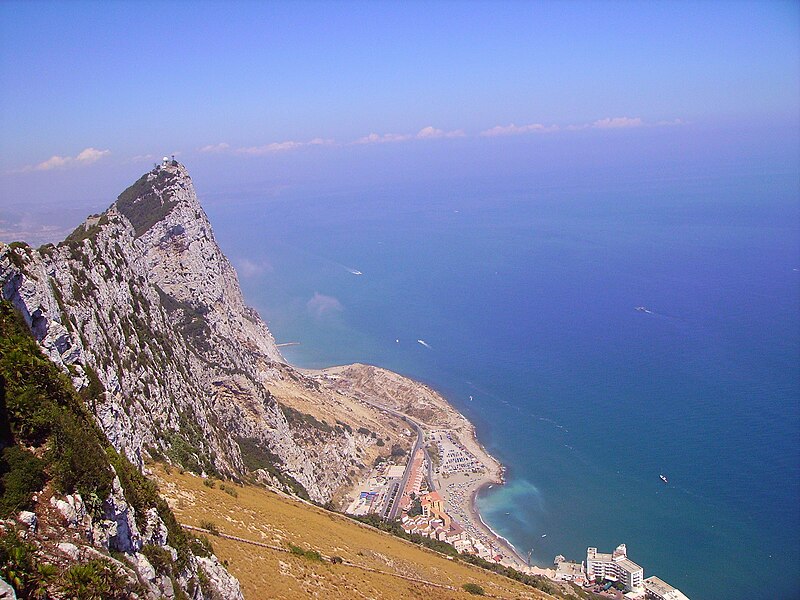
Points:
(140, 305)
(6, 591)
(70, 534)
(219, 578)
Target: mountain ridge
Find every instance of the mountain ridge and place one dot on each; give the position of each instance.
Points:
(140, 306)
(141, 298)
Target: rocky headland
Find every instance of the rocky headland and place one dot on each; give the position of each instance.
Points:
(140, 305)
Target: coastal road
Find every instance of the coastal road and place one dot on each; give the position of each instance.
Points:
(395, 507)
(407, 473)
(514, 558)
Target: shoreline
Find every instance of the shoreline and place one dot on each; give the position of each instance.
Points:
(505, 540)
(497, 478)
(397, 394)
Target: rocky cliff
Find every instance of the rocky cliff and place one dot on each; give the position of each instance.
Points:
(141, 302)
(77, 519)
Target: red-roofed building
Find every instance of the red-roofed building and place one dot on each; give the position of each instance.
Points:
(433, 506)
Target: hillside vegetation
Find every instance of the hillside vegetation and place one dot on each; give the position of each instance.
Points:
(304, 539)
(50, 446)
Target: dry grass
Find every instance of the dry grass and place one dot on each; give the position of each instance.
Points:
(266, 517)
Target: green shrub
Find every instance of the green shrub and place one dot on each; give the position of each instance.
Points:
(19, 250)
(474, 588)
(415, 508)
(205, 584)
(160, 558)
(94, 580)
(308, 554)
(145, 202)
(17, 562)
(300, 419)
(201, 546)
(229, 490)
(255, 456)
(77, 459)
(210, 527)
(83, 232)
(21, 474)
(43, 409)
(313, 555)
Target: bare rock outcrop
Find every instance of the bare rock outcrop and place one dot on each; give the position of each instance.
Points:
(141, 302)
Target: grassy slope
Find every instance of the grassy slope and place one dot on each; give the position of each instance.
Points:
(263, 516)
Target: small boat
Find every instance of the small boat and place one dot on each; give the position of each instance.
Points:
(663, 478)
(544, 535)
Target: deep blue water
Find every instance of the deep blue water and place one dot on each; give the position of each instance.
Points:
(525, 294)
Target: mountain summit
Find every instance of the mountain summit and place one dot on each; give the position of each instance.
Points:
(142, 300)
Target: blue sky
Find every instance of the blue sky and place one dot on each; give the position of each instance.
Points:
(87, 85)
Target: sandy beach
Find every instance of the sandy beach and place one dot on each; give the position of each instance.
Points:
(437, 418)
(460, 493)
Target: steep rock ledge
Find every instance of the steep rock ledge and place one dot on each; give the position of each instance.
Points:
(141, 301)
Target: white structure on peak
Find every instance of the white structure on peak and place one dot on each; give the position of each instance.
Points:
(615, 566)
(657, 589)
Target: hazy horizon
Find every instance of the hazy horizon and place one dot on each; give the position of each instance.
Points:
(262, 99)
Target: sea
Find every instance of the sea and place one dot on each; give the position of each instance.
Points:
(599, 331)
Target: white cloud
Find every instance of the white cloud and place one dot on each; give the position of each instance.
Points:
(673, 122)
(617, 122)
(215, 148)
(374, 138)
(54, 162)
(430, 133)
(512, 129)
(426, 133)
(85, 157)
(274, 147)
(321, 305)
(91, 155)
(248, 268)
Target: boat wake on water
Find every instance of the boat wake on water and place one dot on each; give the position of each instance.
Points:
(424, 343)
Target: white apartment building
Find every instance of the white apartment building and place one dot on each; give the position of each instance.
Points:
(657, 589)
(615, 566)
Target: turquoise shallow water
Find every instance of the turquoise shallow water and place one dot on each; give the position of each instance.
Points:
(526, 298)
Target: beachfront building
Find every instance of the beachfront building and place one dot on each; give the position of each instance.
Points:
(657, 589)
(433, 507)
(567, 570)
(615, 566)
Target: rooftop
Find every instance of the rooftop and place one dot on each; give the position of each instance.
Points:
(628, 565)
(663, 589)
(569, 568)
(431, 497)
(598, 556)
